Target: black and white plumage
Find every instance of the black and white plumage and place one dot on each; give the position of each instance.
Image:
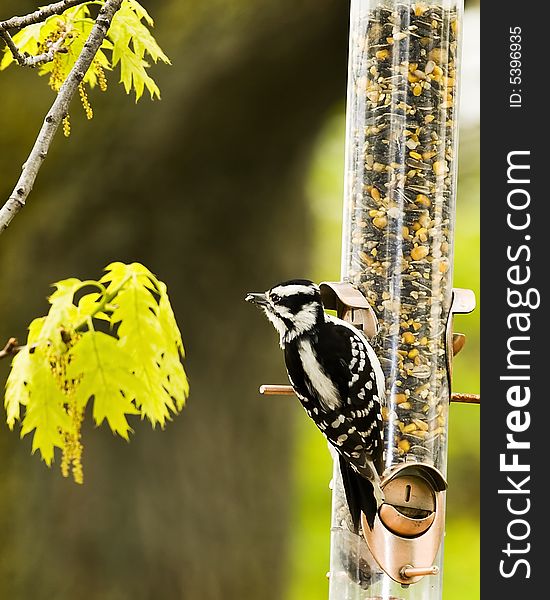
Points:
(337, 377)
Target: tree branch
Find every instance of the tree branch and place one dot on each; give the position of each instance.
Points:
(32, 61)
(56, 114)
(11, 45)
(39, 15)
(10, 349)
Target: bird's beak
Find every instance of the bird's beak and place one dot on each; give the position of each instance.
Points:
(255, 298)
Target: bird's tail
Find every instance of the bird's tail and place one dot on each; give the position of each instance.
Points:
(362, 495)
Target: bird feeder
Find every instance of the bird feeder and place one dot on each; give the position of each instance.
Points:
(397, 258)
(399, 213)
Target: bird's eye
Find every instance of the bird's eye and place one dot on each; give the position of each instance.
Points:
(275, 297)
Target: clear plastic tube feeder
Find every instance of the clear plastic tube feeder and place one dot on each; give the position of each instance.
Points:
(401, 150)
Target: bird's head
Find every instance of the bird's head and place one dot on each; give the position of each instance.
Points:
(294, 307)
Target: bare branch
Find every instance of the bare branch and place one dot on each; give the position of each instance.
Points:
(39, 15)
(10, 349)
(33, 61)
(57, 112)
(11, 45)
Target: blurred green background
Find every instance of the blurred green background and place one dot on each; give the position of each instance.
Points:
(231, 182)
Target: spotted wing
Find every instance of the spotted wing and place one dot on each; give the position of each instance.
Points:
(355, 427)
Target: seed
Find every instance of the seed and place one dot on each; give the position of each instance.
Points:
(422, 234)
(423, 200)
(424, 220)
(401, 220)
(373, 96)
(400, 398)
(421, 424)
(404, 446)
(380, 222)
(440, 167)
(419, 433)
(436, 54)
(408, 338)
(366, 258)
(419, 252)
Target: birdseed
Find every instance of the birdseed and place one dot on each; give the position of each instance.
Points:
(400, 192)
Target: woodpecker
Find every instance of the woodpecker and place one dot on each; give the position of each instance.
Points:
(338, 379)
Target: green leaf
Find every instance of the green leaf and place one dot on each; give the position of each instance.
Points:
(128, 41)
(176, 381)
(62, 313)
(45, 414)
(118, 274)
(104, 371)
(131, 40)
(149, 332)
(17, 391)
(35, 330)
(168, 319)
(90, 306)
(134, 368)
(140, 12)
(133, 75)
(127, 28)
(76, 21)
(141, 335)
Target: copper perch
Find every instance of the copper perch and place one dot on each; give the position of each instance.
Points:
(408, 571)
(465, 398)
(276, 390)
(286, 390)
